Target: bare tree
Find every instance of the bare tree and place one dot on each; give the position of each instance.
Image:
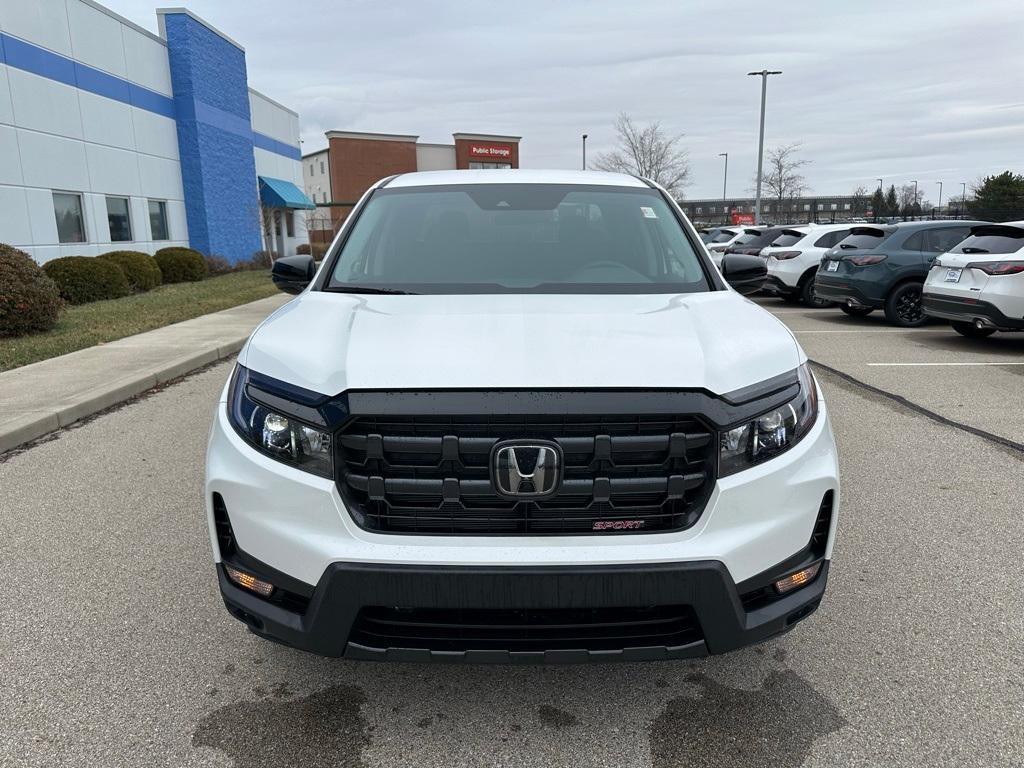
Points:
(781, 178)
(860, 202)
(910, 202)
(649, 152)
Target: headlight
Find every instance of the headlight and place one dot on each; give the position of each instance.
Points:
(276, 435)
(771, 433)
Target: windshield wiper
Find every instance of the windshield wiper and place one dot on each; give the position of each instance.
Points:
(369, 289)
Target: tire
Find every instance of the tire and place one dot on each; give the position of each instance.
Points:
(971, 331)
(903, 307)
(856, 311)
(807, 297)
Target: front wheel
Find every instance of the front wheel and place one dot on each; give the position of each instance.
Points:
(903, 307)
(971, 331)
(856, 311)
(809, 298)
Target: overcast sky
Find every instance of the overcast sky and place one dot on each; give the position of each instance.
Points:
(899, 90)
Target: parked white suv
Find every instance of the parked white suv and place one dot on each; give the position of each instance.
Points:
(519, 416)
(794, 258)
(979, 284)
(739, 236)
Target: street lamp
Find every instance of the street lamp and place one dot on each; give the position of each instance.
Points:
(725, 174)
(763, 74)
(881, 199)
(584, 151)
(940, 194)
(963, 196)
(915, 199)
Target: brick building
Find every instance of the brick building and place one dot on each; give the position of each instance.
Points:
(335, 178)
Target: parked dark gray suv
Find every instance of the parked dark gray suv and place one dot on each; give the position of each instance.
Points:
(885, 266)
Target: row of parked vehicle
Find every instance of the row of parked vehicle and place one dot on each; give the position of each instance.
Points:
(970, 273)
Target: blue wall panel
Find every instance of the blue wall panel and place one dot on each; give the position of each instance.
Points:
(215, 139)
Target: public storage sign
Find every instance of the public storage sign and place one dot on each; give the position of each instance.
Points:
(490, 151)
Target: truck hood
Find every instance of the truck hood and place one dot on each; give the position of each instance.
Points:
(331, 342)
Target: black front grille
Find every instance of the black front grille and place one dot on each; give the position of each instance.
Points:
(592, 629)
(431, 474)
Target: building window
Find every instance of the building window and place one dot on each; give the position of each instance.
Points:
(807, 206)
(158, 220)
(711, 209)
(834, 206)
(846, 206)
(119, 220)
(67, 207)
(767, 209)
(289, 223)
(700, 209)
(322, 167)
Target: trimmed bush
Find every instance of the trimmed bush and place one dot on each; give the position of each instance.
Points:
(318, 251)
(29, 300)
(218, 265)
(82, 279)
(181, 265)
(302, 249)
(141, 269)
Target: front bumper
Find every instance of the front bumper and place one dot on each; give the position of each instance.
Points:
(332, 625)
(292, 525)
(969, 311)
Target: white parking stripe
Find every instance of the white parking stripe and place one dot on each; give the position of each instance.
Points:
(877, 330)
(902, 365)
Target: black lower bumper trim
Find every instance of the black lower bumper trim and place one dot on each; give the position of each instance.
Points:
(775, 286)
(843, 293)
(968, 311)
(345, 589)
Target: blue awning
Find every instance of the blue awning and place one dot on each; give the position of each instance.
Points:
(278, 193)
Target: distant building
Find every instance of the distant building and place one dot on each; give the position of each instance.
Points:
(335, 178)
(115, 137)
(816, 208)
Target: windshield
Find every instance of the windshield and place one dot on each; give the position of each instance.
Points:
(724, 236)
(1003, 240)
(787, 238)
(864, 238)
(761, 240)
(518, 238)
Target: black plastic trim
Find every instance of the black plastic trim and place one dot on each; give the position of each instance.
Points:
(963, 310)
(345, 588)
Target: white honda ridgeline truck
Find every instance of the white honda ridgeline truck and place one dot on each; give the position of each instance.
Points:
(520, 416)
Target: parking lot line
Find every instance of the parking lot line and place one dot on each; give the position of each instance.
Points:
(876, 330)
(901, 365)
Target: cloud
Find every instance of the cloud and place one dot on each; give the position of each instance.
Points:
(874, 89)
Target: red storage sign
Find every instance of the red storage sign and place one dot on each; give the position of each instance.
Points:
(487, 151)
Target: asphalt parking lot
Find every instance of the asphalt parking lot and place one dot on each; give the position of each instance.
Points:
(116, 650)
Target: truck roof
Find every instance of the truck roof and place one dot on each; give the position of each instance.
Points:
(514, 176)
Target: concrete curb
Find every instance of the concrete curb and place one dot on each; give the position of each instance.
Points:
(47, 396)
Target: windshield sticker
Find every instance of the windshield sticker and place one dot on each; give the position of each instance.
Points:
(648, 212)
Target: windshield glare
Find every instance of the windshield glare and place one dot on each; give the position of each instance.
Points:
(518, 238)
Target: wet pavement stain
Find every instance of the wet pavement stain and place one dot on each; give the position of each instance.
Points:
(725, 727)
(320, 730)
(555, 717)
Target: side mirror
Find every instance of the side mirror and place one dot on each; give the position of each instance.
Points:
(292, 274)
(746, 274)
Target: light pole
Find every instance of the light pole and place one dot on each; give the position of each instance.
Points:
(881, 199)
(763, 74)
(915, 198)
(725, 174)
(940, 194)
(584, 151)
(963, 196)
